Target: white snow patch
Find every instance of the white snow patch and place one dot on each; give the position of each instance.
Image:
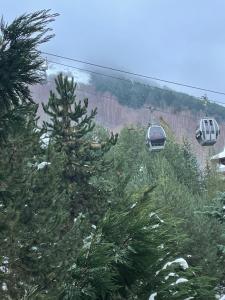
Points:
(181, 261)
(36, 130)
(141, 169)
(87, 241)
(19, 244)
(180, 280)
(4, 268)
(93, 226)
(171, 275)
(42, 165)
(151, 215)
(154, 214)
(161, 246)
(133, 205)
(152, 296)
(189, 298)
(44, 139)
(155, 226)
(222, 298)
(175, 293)
(73, 267)
(4, 286)
(5, 260)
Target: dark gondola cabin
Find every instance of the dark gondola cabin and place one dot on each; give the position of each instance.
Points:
(207, 132)
(156, 138)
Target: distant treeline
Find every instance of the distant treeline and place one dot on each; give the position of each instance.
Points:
(136, 94)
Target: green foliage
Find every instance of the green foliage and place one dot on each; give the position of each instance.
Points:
(20, 64)
(180, 189)
(133, 263)
(80, 219)
(79, 157)
(16, 209)
(215, 210)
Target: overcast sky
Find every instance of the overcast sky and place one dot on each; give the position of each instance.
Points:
(171, 39)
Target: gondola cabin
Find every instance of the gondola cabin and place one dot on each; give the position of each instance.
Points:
(207, 132)
(155, 138)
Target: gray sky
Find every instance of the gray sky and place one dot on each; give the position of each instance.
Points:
(171, 39)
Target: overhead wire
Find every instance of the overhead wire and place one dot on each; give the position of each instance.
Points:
(123, 79)
(108, 97)
(130, 73)
(134, 74)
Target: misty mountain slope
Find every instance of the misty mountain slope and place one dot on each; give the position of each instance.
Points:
(122, 103)
(136, 94)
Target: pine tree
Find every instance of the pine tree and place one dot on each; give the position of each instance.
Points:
(215, 211)
(177, 179)
(20, 64)
(79, 158)
(131, 254)
(16, 159)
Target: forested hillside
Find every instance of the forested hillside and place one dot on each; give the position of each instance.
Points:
(88, 214)
(136, 94)
(179, 112)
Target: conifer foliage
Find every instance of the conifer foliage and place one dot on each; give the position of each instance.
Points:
(20, 63)
(60, 239)
(81, 157)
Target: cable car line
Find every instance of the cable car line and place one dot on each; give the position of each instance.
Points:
(108, 97)
(156, 136)
(206, 133)
(89, 71)
(124, 79)
(134, 74)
